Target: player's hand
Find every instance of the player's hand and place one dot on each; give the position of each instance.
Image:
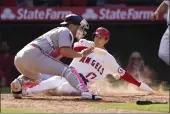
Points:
(146, 87)
(87, 51)
(154, 16)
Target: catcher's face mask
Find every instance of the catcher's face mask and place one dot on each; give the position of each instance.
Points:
(81, 32)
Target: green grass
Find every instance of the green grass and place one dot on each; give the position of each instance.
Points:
(6, 110)
(152, 107)
(5, 90)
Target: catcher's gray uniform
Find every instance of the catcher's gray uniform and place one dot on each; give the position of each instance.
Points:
(39, 57)
(164, 52)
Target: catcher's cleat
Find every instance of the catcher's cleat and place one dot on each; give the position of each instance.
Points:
(16, 89)
(20, 85)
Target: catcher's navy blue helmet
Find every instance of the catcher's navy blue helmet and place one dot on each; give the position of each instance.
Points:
(77, 20)
(72, 19)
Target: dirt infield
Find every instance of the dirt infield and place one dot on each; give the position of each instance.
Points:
(65, 104)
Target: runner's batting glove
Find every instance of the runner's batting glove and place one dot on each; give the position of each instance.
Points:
(146, 87)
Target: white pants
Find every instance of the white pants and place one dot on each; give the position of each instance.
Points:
(58, 85)
(65, 89)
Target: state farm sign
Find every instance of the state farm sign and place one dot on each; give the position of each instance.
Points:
(49, 14)
(117, 14)
(33, 14)
(90, 14)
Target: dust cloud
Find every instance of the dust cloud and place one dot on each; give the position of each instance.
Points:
(109, 87)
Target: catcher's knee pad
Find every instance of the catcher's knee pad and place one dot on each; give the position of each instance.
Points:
(70, 71)
(16, 88)
(67, 72)
(73, 77)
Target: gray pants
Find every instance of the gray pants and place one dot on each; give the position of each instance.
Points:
(31, 61)
(164, 53)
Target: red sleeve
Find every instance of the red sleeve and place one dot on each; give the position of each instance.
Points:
(128, 78)
(79, 48)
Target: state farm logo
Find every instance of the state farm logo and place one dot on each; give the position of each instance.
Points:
(120, 14)
(7, 14)
(90, 14)
(34, 14)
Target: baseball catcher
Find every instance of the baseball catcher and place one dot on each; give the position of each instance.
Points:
(42, 56)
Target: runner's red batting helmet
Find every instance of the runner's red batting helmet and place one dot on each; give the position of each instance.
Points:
(102, 32)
